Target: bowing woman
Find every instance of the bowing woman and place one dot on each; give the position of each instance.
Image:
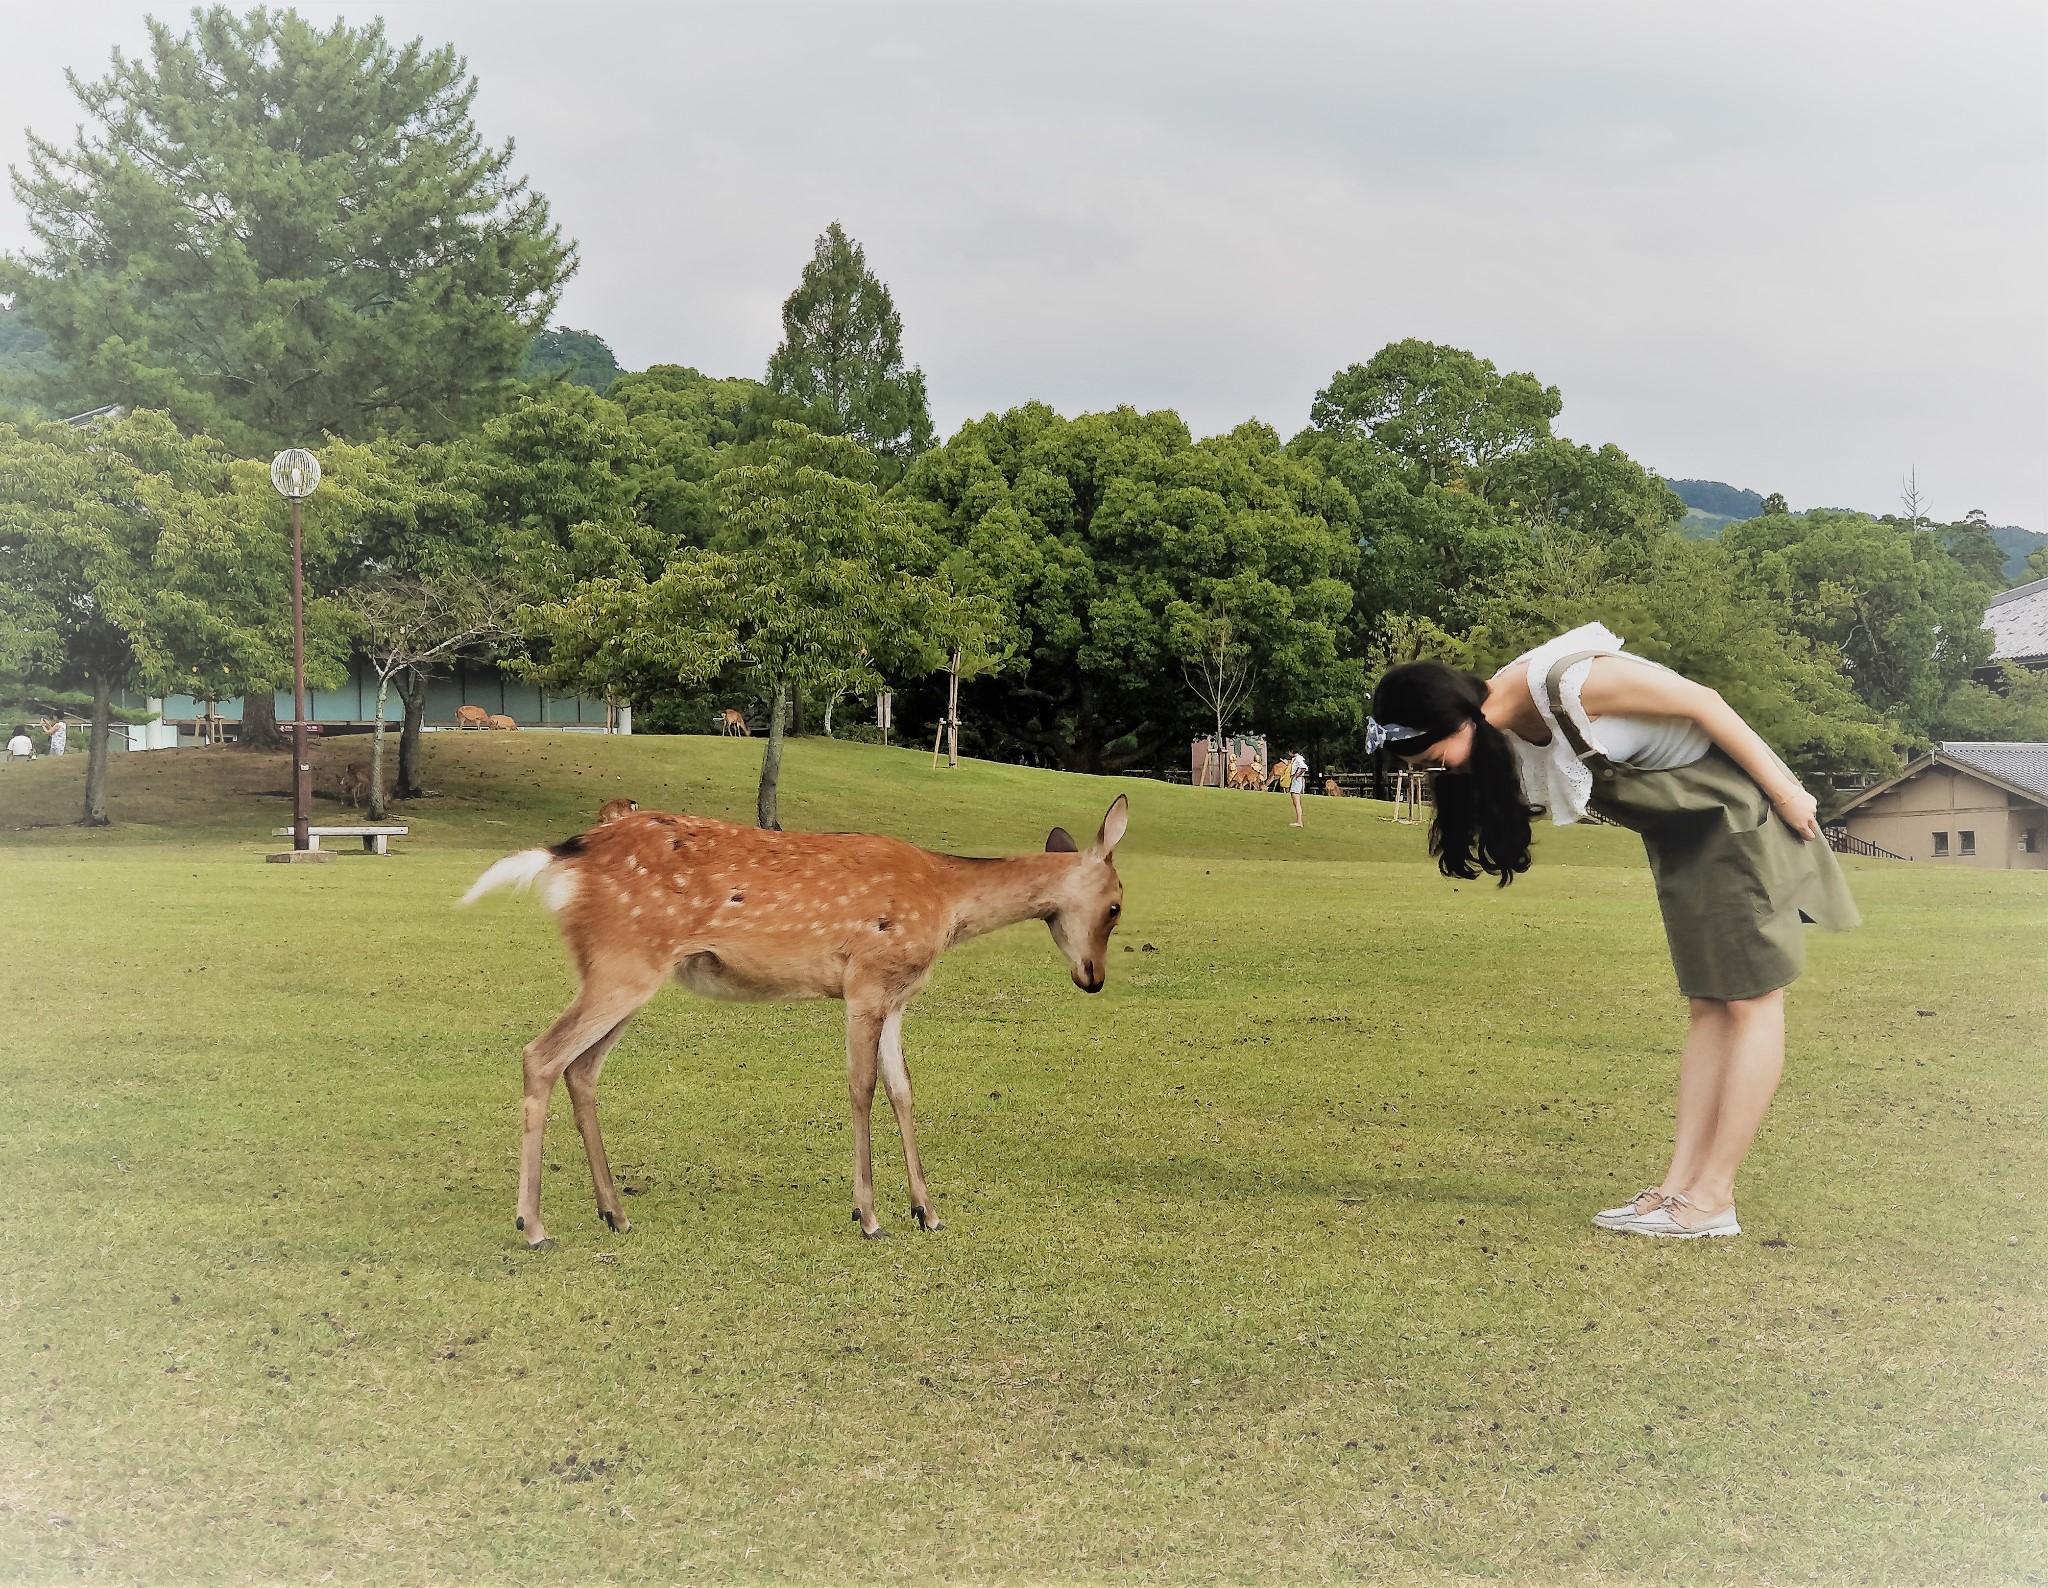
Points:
(1733, 841)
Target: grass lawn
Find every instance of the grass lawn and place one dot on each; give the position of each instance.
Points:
(1271, 1263)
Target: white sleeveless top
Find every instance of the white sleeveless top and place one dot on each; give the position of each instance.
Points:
(1556, 779)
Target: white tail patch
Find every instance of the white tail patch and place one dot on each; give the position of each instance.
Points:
(518, 871)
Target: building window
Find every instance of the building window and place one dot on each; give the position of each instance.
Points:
(1941, 846)
(1969, 841)
(2030, 842)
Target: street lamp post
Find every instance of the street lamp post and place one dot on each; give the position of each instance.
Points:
(295, 472)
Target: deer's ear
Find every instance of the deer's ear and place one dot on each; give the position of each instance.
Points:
(1113, 826)
(1061, 842)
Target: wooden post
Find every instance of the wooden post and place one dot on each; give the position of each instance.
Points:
(953, 713)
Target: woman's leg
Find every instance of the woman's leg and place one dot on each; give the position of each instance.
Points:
(1751, 1059)
(1702, 1070)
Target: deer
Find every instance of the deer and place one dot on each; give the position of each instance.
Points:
(506, 724)
(612, 810)
(355, 783)
(733, 723)
(752, 915)
(472, 717)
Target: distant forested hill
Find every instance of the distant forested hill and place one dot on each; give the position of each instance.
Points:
(1712, 505)
(1719, 500)
(2017, 544)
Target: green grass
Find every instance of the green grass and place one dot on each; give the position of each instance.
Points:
(1269, 1264)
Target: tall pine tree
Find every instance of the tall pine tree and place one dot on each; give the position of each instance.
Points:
(272, 231)
(842, 356)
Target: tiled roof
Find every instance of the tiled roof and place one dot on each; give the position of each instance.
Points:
(2021, 765)
(2019, 620)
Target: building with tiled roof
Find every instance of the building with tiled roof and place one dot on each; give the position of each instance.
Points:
(2018, 619)
(1967, 804)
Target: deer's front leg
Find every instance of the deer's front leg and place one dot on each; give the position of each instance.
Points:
(863, 1040)
(896, 1082)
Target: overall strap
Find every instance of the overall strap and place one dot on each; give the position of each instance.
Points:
(1553, 692)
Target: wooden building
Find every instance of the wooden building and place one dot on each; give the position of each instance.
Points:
(1964, 805)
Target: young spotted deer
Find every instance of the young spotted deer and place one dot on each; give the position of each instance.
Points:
(741, 913)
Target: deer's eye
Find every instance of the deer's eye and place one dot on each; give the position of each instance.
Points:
(1115, 910)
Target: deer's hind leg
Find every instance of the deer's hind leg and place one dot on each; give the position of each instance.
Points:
(592, 1021)
(896, 1082)
(581, 1077)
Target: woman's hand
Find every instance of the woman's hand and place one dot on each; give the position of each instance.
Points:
(1800, 811)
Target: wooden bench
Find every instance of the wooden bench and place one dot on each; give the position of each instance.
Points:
(375, 839)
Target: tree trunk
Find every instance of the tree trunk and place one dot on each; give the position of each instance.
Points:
(259, 722)
(412, 689)
(796, 710)
(377, 812)
(96, 755)
(771, 761)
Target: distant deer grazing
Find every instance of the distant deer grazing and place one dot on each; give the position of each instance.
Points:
(502, 722)
(731, 722)
(612, 810)
(355, 783)
(472, 717)
(739, 913)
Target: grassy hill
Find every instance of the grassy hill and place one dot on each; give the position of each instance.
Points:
(506, 791)
(1268, 1264)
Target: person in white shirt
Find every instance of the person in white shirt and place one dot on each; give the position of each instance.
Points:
(54, 727)
(1297, 783)
(1733, 843)
(21, 747)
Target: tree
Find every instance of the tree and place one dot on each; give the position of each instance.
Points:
(1448, 415)
(273, 232)
(582, 358)
(809, 577)
(411, 625)
(124, 562)
(1216, 665)
(1902, 616)
(965, 633)
(1774, 506)
(1095, 531)
(842, 355)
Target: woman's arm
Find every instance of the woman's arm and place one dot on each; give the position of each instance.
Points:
(1622, 686)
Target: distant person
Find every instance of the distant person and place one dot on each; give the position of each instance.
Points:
(21, 747)
(1733, 841)
(1297, 783)
(55, 729)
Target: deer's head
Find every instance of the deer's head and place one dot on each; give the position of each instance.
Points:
(1087, 898)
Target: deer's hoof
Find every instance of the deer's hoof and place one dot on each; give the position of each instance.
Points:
(618, 1222)
(866, 1234)
(545, 1244)
(924, 1217)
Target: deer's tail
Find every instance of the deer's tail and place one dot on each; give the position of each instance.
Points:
(520, 871)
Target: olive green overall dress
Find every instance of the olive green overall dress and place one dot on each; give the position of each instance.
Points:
(1733, 880)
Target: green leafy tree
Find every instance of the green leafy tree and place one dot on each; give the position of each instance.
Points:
(582, 358)
(1446, 414)
(127, 565)
(1904, 619)
(1774, 506)
(842, 355)
(274, 232)
(1100, 534)
(809, 578)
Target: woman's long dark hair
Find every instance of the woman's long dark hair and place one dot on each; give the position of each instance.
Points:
(1482, 820)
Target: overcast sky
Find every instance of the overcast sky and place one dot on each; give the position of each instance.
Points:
(1793, 246)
